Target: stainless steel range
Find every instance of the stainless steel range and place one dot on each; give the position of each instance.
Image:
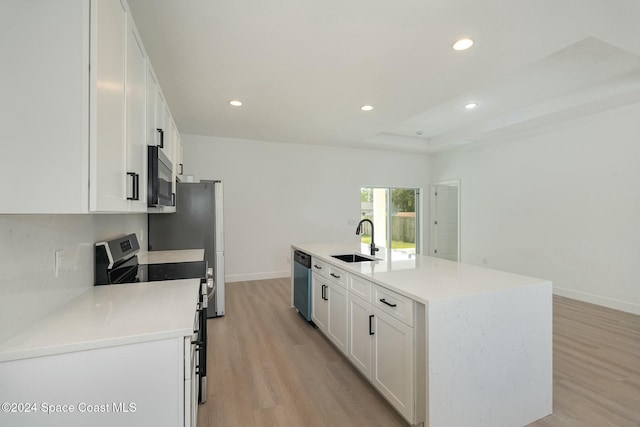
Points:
(116, 262)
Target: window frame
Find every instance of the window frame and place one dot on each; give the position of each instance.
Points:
(418, 211)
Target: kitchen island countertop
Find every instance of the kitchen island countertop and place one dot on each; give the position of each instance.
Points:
(421, 278)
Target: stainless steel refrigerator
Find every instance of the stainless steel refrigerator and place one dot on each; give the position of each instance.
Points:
(196, 224)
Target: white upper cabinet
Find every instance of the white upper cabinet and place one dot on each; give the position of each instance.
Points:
(163, 123)
(168, 128)
(136, 121)
(160, 118)
(75, 116)
(153, 135)
(44, 106)
(178, 159)
(108, 148)
(172, 147)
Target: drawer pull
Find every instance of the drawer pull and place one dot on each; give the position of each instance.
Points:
(317, 266)
(335, 275)
(382, 300)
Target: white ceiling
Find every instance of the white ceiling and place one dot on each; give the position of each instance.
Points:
(304, 68)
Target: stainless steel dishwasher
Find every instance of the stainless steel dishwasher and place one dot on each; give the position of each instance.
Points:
(302, 284)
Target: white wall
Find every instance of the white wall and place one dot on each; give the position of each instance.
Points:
(29, 289)
(563, 205)
(277, 194)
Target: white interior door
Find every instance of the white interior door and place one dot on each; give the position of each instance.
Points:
(446, 220)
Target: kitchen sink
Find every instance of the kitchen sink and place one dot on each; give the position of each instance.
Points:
(353, 258)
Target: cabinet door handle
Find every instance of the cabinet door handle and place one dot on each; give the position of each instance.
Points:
(382, 300)
(161, 132)
(324, 292)
(134, 186)
(371, 324)
(335, 275)
(173, 199)
(181, 169)
(317, 266)
(137, 186)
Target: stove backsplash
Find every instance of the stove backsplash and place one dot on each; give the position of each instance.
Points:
(29, 289)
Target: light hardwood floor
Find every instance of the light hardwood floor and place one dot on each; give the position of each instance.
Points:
(267, 367)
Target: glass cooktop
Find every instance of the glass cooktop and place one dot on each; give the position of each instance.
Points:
(171, 271)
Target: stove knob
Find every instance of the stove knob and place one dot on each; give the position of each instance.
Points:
(210, 283)
(209, 273)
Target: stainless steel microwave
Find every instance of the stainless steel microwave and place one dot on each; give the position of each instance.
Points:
(160, 180)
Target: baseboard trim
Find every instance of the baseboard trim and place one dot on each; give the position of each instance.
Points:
(256, 276)
(625, 306)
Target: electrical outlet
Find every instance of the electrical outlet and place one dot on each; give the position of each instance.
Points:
(288, 260)
(59, 257)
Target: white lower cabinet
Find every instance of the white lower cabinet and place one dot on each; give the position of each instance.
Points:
(329, 310)
(382, 348)
(190, 382)
(141, 384)
(337, 322)
(392, 367)
(360, 334)
(319, 303)
(379, 332)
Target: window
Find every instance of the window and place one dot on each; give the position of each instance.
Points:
(394, 213)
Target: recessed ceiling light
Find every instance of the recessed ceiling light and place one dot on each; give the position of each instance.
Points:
(463, 44)
(471, 105)
(366, 107)
(235, 103)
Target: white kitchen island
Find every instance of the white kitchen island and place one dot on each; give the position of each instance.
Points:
(447, 344)
(116, 355)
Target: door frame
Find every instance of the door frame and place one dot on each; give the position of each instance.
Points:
(432, 214)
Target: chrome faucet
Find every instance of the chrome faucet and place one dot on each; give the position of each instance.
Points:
(359, 230)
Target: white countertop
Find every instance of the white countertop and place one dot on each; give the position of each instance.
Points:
(164, 257)
(421, 278)
(110, 315)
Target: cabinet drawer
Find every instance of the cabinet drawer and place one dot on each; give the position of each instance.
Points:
(393, 303)
(320, 267)
(360, 287)
(338, 276)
